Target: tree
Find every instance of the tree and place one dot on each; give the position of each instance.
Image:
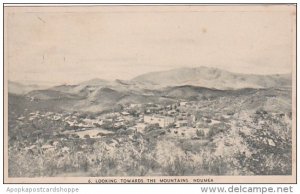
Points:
(218, 128)
(270, 146)
(200, 133)
(96, 124)
(152, 127)
(86, 136)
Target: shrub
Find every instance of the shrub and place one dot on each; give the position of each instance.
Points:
(217, 128)
(152, 127)
(200, 133)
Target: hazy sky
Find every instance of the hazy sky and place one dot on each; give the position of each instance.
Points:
(69, 45)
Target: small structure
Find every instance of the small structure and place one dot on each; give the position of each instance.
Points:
(125, 113)
(162, 121)
(182, 123)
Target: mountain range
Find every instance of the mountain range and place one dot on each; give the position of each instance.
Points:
(157, 87)
(200, 76)
(213, 78)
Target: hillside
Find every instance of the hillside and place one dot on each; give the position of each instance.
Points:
(18, 88)
(106, 98)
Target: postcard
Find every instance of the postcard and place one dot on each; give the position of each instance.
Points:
(155, 93)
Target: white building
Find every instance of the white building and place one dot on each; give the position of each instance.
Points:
(184, 103)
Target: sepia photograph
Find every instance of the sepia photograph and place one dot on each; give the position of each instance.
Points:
(135, 93)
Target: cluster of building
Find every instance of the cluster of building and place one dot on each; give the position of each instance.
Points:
(135, 117)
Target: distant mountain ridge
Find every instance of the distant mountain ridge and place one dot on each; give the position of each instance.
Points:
(212, 78)
(200, 77)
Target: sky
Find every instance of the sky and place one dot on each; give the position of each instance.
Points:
(67, 45)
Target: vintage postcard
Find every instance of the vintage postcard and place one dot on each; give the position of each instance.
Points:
(150, 93)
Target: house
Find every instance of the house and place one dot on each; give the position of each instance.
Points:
(120, 119)
(171, 112)
(125, 113)
(181, 123)
(162, 121)
(30, 147)
(21, 118)
(184, 103)
(99, 123)
(65, 149)
(72, 123)
(56, 117)
(135, 105)
(48, 147)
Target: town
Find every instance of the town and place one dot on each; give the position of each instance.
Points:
(203, 136)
